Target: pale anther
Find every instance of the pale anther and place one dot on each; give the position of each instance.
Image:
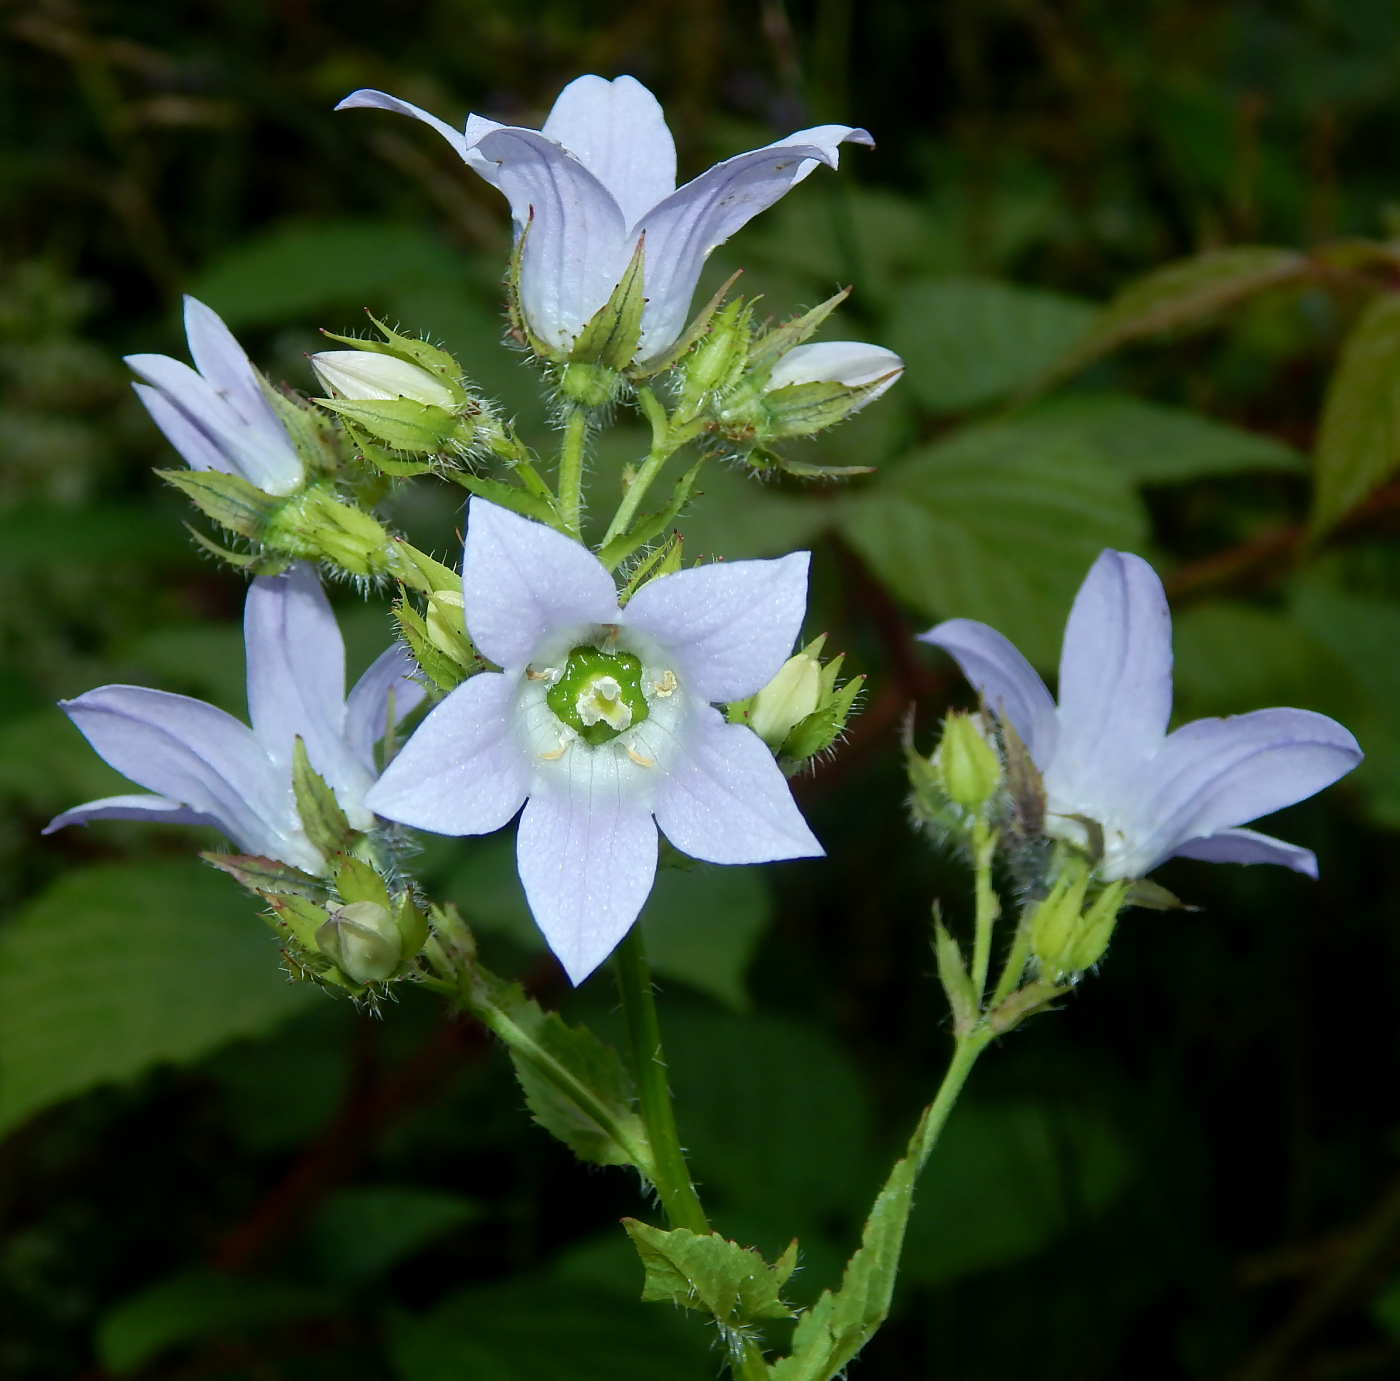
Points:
(639, 759)
(666, 686)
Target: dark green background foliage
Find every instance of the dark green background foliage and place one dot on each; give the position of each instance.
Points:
(1191, 1169)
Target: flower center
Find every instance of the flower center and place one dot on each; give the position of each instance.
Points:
(599, 694)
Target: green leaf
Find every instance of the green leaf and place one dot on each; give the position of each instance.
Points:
(1151, 442)
(611, 337)
(828, 1335)
(575, 1086)
(1006, 1180)
(321, 816)
(1358, 445)
(198, 1305)
(359, 1234)
(119, 967)
(1183, 294)
(708, 1272)
(953, 975)
(293, 272)
(767, 349)
(967, 342)
(541, 1330)
(229, 500)
(979, 526)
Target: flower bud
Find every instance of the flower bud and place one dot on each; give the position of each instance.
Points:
(367, 376)
(787, 699)
(968, 767)
(1066, 938)
(719, 359)
(316, 525)
(447, 628)
(362, 941)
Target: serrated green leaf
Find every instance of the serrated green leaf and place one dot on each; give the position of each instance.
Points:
(1358, 445)
(831, 1333)
(311, 431)
(979, 526)
(1183, 294)
(229, 500)
(952, 973)
(119, 967)
(421, 572)
(402, 423)
(967, 342)
(321, 816)
(610, 337)
(296, 916)
(708, 1272)
(575, 1086)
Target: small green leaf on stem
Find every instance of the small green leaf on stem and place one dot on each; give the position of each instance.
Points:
(704, 1271)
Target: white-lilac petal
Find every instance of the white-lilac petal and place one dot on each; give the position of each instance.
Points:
(576, 244)
(387, 691)
(193, 753)
(618, 132)
(731, 624)
(367, 99)
(725, 800)
(368, 376)
(1249, 846)
(1216, 774)
(1115, 680)
(683, 229)
(1009, 685)
(849, 362)
(462, 771)
(217, 416)
(586, 856)
(522, 580)
(154, 810)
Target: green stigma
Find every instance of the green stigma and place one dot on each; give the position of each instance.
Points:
(599, 695)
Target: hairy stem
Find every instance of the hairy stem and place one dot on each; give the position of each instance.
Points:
(931, 1124)
(571, 470)
(984, 842)
(663, 447)
(671, 1176)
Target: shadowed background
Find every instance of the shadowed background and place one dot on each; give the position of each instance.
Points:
(1190, 1170)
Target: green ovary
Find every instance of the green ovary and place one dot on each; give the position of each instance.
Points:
(599, 695)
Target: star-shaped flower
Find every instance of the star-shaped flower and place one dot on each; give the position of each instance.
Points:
(209, 768)
(216, 414)
(598, 177)
(601, 723)
(1105, 753)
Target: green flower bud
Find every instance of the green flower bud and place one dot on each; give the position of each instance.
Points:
(362, 941)
(1065, 937)
(366, 376)
(446, 627)
(787, 699)
(315, 524)
(718, 361)
(968, 767)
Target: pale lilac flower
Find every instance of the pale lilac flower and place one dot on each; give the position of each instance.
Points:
(849, 362)
(536, 603)
(1105, 753)
(216, 415)
(599, 176)
(209, 768)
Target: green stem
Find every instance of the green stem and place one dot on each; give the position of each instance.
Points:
(571, 470)
(672, 1178)
(663, 447)
(984, 843)
(1015, 964)
(931, 1124)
